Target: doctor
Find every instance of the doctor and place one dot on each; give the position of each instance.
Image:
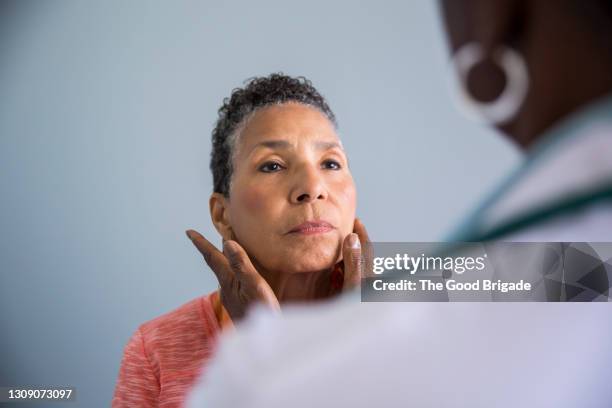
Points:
(540, 71)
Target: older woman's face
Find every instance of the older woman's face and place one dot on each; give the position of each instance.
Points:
(292, 197)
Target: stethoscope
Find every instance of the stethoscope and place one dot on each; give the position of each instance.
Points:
(542, 214)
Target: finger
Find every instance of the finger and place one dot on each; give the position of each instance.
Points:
(360, 230)
(366, 246)
(213, 257)
(244, 270)
(351, 253)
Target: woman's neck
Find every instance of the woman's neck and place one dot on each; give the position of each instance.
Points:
(302, 286)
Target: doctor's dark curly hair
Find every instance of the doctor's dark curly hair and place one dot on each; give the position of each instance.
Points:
(257, 93)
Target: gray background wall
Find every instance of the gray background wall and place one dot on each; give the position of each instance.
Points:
(106, 110)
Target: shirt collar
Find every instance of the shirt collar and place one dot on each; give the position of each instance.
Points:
(572, 157)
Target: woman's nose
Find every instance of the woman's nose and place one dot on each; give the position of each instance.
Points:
(308, 187)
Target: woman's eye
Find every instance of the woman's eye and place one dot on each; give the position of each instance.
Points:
(270, 167)
(331, 165)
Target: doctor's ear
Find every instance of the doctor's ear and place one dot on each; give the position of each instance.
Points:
(219, 214)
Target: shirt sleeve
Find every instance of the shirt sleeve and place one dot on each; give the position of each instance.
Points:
(137, 385)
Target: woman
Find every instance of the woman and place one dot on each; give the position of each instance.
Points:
(284, 203)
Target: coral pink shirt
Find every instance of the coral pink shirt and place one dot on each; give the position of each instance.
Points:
(165, 356)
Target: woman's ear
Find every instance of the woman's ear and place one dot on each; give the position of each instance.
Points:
(219, 214)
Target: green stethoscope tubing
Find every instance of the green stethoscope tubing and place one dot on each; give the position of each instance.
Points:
(545, 213)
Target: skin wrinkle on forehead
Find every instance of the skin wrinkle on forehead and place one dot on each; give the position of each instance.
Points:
(233, 141)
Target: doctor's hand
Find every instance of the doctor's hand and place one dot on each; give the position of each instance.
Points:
(241, 284)
(357, 256)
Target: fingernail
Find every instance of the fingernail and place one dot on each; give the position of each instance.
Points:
(354, 241)
(189, 234)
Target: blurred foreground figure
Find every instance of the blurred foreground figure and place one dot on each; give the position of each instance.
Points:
(541, 72)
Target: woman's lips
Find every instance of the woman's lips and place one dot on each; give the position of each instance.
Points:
(312, 227)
